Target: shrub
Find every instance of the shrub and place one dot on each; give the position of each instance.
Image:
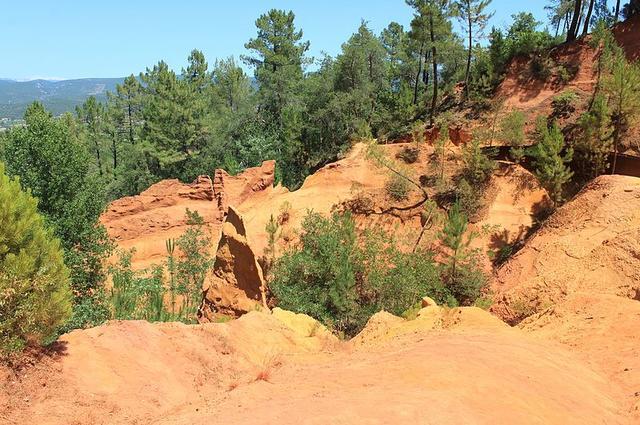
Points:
(551, 160)
(341, 279)
(541, 66)
(478, 165)
(469, 198)
(35, 297)
(566, 73)
(564, 104)
(512, 132)
(397, 187)
(142, 295)
(409, 154)
(136, 295)
(460, 272)
(193, 263)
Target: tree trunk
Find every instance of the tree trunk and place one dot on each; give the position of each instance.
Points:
(617, 14)
(95, 142)
(114, 149)
(616, 137)
(434, 61)
(573, 29)
(415, 86)
(469, 33)
(130, 113)
(587, 21)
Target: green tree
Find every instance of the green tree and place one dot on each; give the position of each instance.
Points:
(431, 27)
(174, 113)
(512, 133)
(278, 56)
(478, 166)
(193, 263)
(231, 86)
(460, 272)
(125, 107)
(362, 78)
(35, 297)
(551, 163)
(342, 278)
(92, 116)
(473, 16)
(54, 164)
(593, 148)
(622, 87)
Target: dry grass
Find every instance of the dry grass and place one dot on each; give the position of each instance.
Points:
(269, 364)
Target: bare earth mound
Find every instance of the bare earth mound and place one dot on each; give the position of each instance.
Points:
(259, 370)
(591, 244)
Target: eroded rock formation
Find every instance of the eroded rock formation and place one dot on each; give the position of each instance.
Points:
(236, 285)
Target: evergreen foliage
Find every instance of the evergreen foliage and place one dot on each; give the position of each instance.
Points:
(35, 296)
(512, 133)
(341, 279)
(460, 272)
(552, 156)
(51, 160)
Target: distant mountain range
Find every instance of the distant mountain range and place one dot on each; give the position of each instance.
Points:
(57, 96)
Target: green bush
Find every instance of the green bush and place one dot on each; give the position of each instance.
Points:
(141, 295)
(478, 165)
(397, 187)
(564, 104)
(469, 198)
(35, 297)
(409, 154)
(341, 278)
(136, 295)
(512, 132)
(193, 263)
(541, 67)
(461, 272)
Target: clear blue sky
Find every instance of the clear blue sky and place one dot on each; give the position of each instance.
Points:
(78, 39)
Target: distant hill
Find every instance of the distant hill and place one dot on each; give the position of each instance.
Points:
(57, 96)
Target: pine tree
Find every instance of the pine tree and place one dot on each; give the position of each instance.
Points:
(622, 87)
(460, 271)
(125, 107)
(473, 16)
(278, 59)
(35, 297)
(512, 132)
(431, 28)
(551, 164)
(92, 117)
(594, 147)
(174, 113)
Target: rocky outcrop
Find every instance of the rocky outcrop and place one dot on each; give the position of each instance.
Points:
(236, 285)
(146, 221)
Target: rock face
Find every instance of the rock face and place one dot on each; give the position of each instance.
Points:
(236, 285)
(146, 221)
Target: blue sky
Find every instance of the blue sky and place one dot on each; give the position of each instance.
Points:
(76, 39)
